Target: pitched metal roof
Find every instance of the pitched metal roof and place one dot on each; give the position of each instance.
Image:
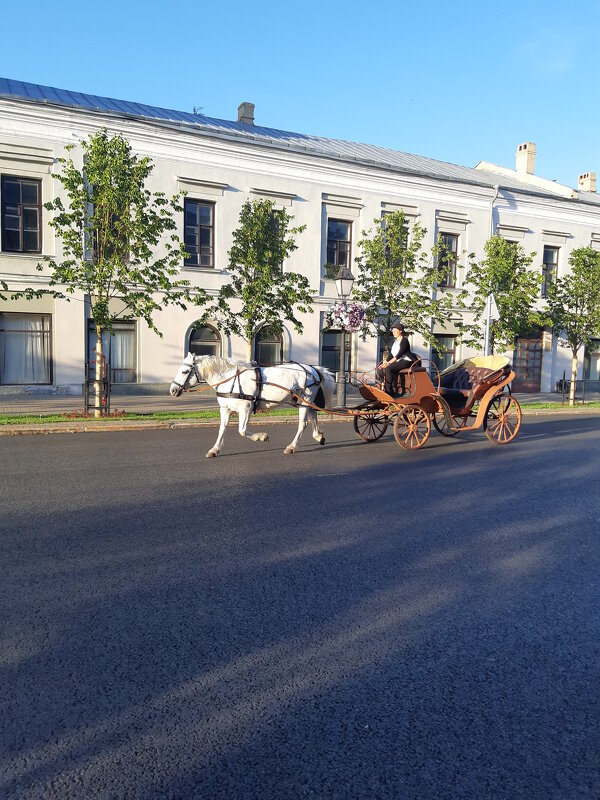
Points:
(316, 145)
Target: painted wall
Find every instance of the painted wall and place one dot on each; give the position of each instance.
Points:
(312, 189)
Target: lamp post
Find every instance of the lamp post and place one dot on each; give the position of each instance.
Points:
(343, 284)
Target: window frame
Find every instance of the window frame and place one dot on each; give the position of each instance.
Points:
(336, 262)
(591, 355)
(187, 262)
(130, 324)
(449, 262)
(437, 358)
(218, 341)
(337, 348)
(20, 205)
(47, 335)
(546, 265)
(275, 340)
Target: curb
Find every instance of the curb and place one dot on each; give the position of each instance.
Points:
(155, 425)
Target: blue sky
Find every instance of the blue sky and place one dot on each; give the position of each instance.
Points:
(460, 82)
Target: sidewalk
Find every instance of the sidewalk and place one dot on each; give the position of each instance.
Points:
(191, 401)
(141, 403)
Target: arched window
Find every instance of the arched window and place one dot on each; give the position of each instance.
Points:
(268, 347)
(204, 340)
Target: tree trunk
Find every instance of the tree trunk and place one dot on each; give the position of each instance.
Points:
(97, 383)
(573, 379)
(248, 350)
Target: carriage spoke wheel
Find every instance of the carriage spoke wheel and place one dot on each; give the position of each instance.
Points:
(502, 419)
(370, 427)
(412, 427)
(442, 419)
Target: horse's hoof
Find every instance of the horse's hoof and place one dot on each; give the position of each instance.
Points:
(289, 450)
(322, 440)
(210, 454)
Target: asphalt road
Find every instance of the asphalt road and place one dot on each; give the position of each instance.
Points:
(353, 621)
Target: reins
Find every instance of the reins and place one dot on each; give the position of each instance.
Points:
(345, 412)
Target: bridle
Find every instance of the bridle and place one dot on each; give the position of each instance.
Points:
(192, 370)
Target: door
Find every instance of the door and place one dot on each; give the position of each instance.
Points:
(527, 364)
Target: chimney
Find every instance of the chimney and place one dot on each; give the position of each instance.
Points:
(526, 158)
(587, 182)
(246, 113)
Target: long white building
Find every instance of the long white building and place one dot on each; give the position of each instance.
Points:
(335, 188)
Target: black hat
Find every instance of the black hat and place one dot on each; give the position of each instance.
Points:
(399, 326)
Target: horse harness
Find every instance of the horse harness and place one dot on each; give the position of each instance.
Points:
(260, 383)
(254, 399)
(239, 395)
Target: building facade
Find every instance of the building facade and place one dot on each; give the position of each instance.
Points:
(335, 188)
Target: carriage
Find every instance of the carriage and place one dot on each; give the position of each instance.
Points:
(466, 396)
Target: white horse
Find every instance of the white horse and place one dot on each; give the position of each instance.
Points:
(242, 388)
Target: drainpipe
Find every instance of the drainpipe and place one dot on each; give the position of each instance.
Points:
(488, 305)
(494, 198)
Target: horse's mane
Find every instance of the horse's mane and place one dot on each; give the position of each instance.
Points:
(215, 365)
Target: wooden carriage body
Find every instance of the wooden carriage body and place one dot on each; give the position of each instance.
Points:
(471, 394)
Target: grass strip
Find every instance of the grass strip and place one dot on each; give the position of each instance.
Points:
(210, 413)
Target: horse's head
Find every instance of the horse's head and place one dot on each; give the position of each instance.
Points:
(186, 377)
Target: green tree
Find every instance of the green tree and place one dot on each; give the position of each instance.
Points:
(574, 305)
(506, 273)
(397, 278)
(268, 294)
(119, 245)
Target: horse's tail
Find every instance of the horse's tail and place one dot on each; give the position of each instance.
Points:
(327, 385)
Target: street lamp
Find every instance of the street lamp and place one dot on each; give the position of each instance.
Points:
(343, 284)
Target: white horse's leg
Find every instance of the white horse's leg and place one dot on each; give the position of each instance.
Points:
(302, 414)
(317, 432)
(244, 418)
(216, 448)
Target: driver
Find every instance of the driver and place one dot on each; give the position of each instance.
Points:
(400, 359)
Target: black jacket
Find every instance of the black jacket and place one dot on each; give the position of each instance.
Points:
(404, 353)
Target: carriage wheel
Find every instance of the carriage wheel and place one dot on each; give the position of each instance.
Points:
(502, 419)
(412, 427)
(370, 427)
(441, 418)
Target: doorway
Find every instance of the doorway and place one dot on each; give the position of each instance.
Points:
(527, 364)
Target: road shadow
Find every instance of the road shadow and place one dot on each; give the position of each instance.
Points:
(215, 631)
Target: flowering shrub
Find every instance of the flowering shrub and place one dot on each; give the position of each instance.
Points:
(347, 316)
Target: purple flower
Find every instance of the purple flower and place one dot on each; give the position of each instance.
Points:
(345, 315)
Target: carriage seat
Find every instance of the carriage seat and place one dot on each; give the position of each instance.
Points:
(464, 379)
(461, 387)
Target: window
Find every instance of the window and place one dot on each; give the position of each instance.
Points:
(21, 215)
(119, 350)
(339, 238)
(591, 370)
(204, 341)
(448, 259)
(25, 349)
(331, 345)
(199, 229)
(549, 268)
(275, 225)
(268, 347)
(447, 355)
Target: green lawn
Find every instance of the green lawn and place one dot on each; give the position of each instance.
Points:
(211, 413)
